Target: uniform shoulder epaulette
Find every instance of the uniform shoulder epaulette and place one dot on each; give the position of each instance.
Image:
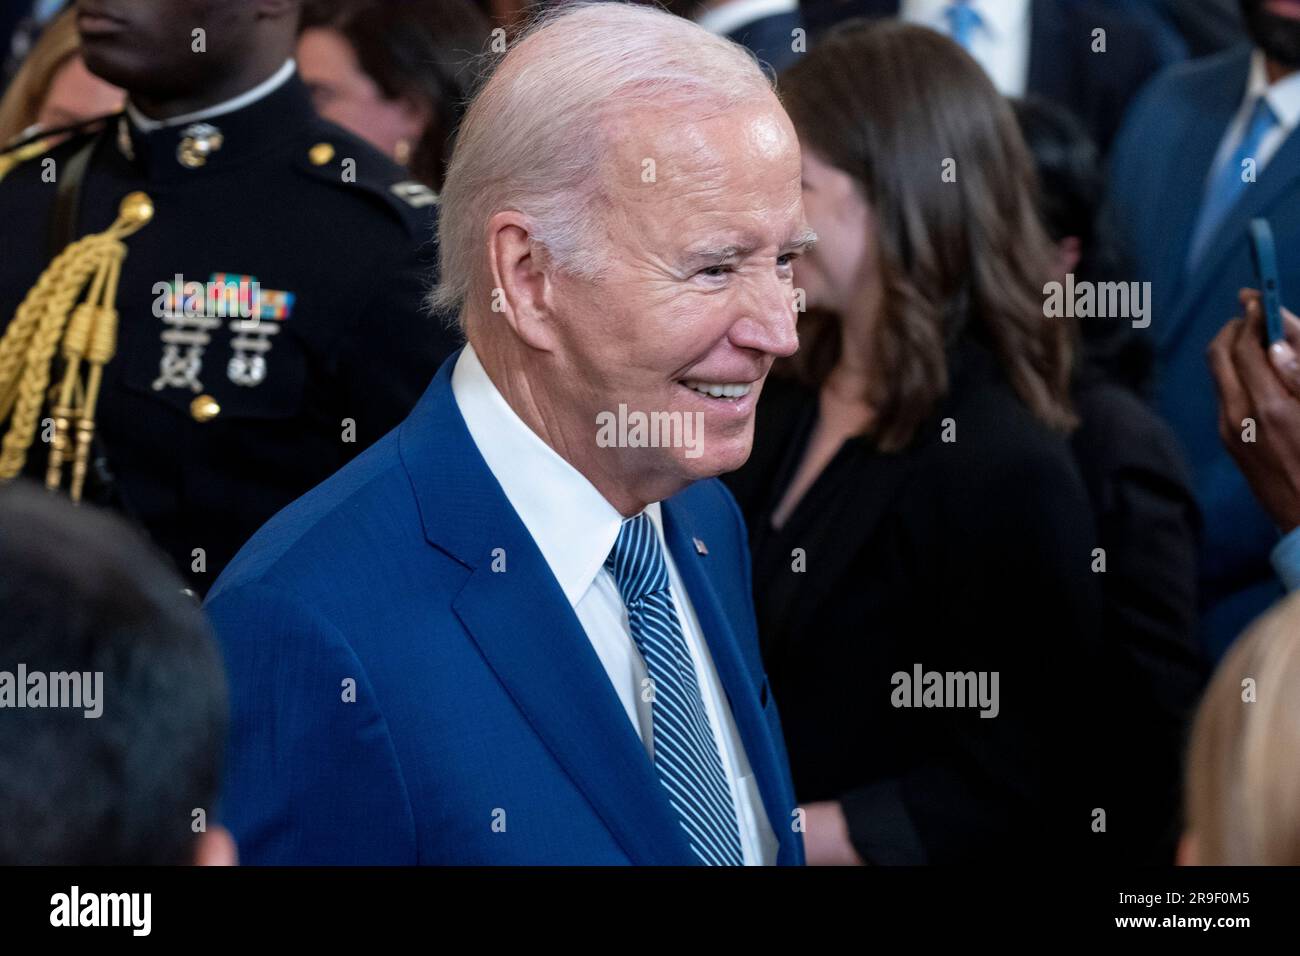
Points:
(23, 148)
(348, 163)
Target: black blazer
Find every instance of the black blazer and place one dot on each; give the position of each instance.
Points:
(969, 555)
(1154, 667)
(1096, 87)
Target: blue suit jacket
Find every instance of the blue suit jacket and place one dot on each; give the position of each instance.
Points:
(479, 701)
(1158, 176)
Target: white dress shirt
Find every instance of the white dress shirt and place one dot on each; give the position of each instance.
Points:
(575, 528)
(1000, 43)
(1283, 98)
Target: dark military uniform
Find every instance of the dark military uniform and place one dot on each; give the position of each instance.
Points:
(209, 425)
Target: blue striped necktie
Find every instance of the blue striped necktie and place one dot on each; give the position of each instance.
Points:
(1227, 185)
(963, 19)
(685, 750)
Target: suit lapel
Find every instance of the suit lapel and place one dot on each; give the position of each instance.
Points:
(530, 636)
(1279, 176)
(742, 695)
(1189, 161)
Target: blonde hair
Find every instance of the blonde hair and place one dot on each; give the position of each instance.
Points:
(532, 138)
(1243, 773)
(22, 102)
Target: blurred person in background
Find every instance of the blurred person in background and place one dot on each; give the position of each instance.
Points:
(132, 779)
(396, 74)
(1243, 779)
(21, 23)
(1264, 385)
(1147, 520)
(254, 277)
(766, 27)
(53, 88)
(1047, 48)
(912, 502)
(1208, 146)
(1186, 28)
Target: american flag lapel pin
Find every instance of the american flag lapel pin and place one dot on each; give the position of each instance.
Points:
(699, 546)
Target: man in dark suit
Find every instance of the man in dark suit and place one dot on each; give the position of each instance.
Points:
(1047, 48)
(1187, 28)
(1209, 146)
(1140, 490)
(771, 29)
(515, 630)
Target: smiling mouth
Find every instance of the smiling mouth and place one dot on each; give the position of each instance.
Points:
(725, 391)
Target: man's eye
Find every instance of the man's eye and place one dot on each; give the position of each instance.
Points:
(715, 272)
(787, 259)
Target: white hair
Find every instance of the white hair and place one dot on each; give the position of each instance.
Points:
(532, 138)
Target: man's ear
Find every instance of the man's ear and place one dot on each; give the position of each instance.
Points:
(216, 847)
(1187, 855)
(522, 287)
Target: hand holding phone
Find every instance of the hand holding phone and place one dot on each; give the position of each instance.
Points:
(1264, 252)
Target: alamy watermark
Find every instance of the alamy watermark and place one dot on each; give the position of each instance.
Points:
(129, 910)
(1098, 300)
(630, 429)
(78, 690)
(922, 688)
(221, 297)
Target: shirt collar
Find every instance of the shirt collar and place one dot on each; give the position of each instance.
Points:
(1283, 96)
(569, 520)
(268, 86)
(1000, 18)
(727, 17)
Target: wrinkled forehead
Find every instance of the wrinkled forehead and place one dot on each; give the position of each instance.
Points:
(671, 176)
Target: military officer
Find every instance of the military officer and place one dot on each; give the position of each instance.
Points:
(253, 277)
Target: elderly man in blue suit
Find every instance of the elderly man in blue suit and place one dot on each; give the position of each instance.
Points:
(518, 630)
(1208, 146)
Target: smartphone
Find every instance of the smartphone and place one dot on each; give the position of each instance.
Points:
(1264, 252)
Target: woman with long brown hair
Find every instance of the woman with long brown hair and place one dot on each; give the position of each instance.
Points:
(923, 546)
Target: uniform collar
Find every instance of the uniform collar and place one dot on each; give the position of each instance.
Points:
(247, 98)
(220, 135)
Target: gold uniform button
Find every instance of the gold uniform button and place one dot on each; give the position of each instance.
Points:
(136, 208)
(204, 408)
(320, 154)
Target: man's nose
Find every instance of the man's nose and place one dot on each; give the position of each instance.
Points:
(769, 321)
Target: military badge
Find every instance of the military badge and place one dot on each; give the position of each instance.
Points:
(198, 142)
(186, 333)
(192, 311)
(260, 312)
(415, 195)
